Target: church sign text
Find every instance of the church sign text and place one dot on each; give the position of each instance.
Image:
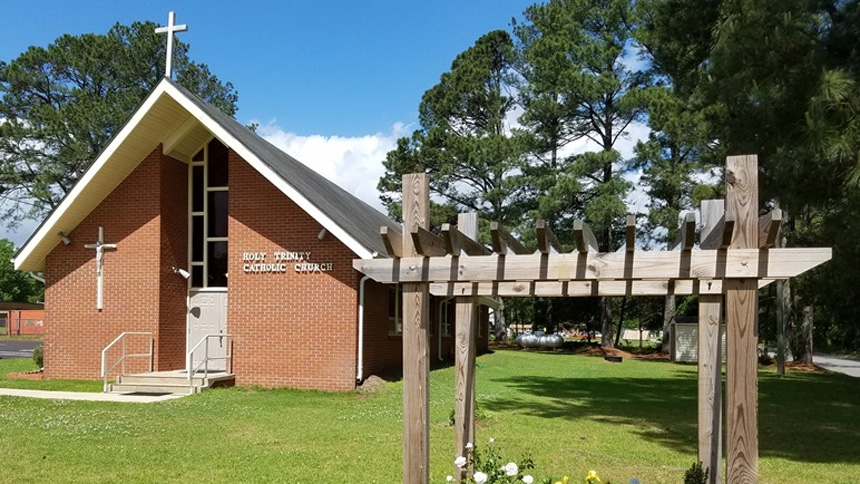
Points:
(257, 263)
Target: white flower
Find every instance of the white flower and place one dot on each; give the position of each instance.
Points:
(460, 461)
(480, 477)
(511, 469)
(492, 440)
(469, 446)
(450, 478)
(528, 479)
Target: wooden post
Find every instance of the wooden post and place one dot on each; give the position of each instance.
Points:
(464, 359)
(416, 349)
(741, 323)
(711, 363)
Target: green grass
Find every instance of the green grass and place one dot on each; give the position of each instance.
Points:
(571, 413)
(21, 365)
(26, 337)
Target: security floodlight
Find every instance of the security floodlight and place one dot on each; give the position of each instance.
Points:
(182, 272)
(66, 239)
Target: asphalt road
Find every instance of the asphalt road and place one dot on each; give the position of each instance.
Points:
(17, 348)
(839, 364)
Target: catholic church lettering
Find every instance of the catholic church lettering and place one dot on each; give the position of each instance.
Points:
(218, 240)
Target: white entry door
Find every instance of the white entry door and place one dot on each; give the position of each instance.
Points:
(207, 315)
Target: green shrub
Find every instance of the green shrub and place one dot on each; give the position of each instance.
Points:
(696, 474)
(479, 414)
(39, 356)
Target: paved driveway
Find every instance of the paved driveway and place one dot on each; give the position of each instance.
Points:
(839, 364)
(17, 348)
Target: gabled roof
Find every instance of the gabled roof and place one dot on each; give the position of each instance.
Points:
(181, 121)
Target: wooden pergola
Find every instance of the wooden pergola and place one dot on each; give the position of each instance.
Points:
(735, 260)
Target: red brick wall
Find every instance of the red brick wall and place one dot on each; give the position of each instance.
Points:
(173, 297)
(24, 321)
(76, 332)
(383, 350)
(290, 329)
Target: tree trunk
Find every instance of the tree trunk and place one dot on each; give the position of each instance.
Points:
(783, 305)
(668, 323)
(620, 321)
(606, 322)
(500, 323)
(783, 311)
(806, 329)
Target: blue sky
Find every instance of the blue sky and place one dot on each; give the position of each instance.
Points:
(332, 83)
(345, 68)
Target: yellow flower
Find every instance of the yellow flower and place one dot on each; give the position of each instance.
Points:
(592, 477)
(565, 480)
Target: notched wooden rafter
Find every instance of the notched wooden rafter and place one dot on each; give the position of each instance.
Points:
(455, 241)
(546, 239)
(393, 241)
(720, 237)
(687, 233)
(584, 237)
(449, 235)
(427, 243)
(630, 233)
(504, 241)
(768, 227)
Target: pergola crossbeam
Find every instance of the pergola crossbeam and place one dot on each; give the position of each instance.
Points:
(679, 287)
(704, 264)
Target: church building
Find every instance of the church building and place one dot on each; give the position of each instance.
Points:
(192, 242)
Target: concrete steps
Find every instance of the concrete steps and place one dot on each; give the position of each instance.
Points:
(169, 382)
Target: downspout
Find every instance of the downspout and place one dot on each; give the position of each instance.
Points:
(37, 277)
(360, 363)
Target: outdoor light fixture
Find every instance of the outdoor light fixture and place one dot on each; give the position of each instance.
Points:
(66, 239)
(182, 272)
(322, 233)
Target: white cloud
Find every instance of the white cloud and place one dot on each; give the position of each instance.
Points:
(353, 163)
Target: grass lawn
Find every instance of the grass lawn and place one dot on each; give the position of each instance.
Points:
(572, 413)
(26, 337)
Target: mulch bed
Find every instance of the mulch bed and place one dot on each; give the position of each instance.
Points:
(27, 375)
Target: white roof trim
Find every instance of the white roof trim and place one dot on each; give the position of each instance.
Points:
(48, 228)
(361, 251)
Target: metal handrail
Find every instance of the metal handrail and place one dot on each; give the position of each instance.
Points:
(106, 371)
(192, 370)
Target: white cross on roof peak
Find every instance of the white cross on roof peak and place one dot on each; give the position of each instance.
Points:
(170, 30)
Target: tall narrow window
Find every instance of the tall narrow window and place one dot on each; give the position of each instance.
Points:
(209, 202)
